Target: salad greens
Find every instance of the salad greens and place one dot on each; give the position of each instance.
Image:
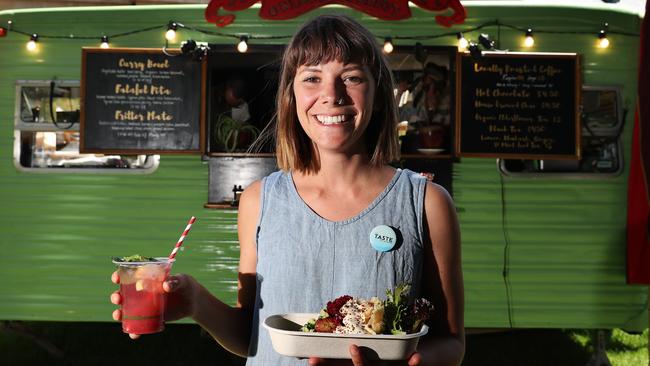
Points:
(402, 317)
(395, 309)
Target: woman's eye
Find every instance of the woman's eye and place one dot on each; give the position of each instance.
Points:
(353, 80)
(310, 79)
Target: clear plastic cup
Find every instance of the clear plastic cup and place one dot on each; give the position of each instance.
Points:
(143, 298)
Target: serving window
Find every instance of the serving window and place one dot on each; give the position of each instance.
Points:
(242, 89)
(602, 119)
(424, 91)
(46, 133)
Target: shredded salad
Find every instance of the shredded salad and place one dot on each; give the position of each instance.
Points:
(349, 315)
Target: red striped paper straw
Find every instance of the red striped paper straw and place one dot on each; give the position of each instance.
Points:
(180, 240)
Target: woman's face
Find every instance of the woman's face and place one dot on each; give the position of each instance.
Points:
(334, 103)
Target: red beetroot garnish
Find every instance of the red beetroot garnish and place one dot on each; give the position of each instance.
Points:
(335, 305)
(326, 325)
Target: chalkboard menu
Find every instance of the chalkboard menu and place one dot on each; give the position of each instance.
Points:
(518, 105)
(142, 101)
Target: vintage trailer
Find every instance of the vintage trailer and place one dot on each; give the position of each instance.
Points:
(543, 240)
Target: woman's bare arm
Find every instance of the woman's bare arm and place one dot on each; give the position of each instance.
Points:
(443, 281)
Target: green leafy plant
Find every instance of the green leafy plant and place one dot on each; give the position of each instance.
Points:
(229, 132)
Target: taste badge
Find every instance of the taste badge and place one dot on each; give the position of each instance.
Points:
(383, 238)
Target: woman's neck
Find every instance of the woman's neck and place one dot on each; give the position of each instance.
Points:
(342, 170)
(343, 187)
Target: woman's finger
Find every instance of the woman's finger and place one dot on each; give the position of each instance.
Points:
(415, 360)
(116, 298)
(117, 315)
(134, 336)
(171, 284)
(355, 354)
(115, 277)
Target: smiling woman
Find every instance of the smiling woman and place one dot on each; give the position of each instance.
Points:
(355, 66)
(336, 133)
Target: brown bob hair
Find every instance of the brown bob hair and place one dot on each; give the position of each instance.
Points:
(323, 39)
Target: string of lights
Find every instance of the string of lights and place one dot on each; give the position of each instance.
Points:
(242, 40)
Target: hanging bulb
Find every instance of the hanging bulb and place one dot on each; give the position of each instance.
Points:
(31, 45)
(104, 43)
(462, 42)
(388, 45)
(529, 41)
(242, 46)
(171, 31)
(603, 42)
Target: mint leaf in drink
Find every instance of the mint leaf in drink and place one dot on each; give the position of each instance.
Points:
(135, 258)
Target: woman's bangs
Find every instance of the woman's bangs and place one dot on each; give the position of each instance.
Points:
(315, 49)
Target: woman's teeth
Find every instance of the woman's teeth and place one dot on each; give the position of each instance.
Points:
(331, 120)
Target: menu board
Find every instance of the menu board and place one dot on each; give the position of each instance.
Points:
(518, 105)
(142, 101)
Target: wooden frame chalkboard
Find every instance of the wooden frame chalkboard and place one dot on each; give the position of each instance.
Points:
(518, 105)
(142, 101)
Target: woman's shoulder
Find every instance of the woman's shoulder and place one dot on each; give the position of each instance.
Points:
(415, 178)
(437, 201)
(259, 184)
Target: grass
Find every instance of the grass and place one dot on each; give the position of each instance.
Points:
(186, 344)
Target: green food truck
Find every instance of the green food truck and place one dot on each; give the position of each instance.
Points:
(539, 179)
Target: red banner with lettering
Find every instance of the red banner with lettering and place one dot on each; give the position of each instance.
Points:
(638, 194)
(288, 9)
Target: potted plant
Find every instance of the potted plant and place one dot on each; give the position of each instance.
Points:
(233, 134)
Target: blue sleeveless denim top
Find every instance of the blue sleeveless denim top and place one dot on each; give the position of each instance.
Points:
(304, 261)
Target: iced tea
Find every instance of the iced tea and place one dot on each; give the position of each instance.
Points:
(143, 298)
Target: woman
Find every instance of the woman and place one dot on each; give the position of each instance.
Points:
(304, 231)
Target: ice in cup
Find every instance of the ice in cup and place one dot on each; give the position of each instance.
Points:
(143, 298)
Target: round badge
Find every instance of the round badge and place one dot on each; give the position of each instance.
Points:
(383, 238)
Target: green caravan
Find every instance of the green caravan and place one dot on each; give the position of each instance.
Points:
(543, 240)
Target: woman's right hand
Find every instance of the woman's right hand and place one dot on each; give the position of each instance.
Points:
(180, 298)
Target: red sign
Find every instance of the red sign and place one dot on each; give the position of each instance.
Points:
(638, 184)
(288, 9)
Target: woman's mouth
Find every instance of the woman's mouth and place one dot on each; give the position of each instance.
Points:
(332, 120)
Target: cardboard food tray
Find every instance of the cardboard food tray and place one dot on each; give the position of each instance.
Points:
(289, 340)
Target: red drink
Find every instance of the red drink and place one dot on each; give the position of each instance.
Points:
(143, 298)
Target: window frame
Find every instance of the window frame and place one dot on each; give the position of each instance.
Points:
(615, 132)
(19, 126)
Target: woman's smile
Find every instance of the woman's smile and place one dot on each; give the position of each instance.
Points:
(330, 120)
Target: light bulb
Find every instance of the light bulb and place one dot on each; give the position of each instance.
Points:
(242, 46)
(170, 35)
(462, 42)
(31, 45)
(529, 41)
(104, 43)
(388, 45)
(603, 42)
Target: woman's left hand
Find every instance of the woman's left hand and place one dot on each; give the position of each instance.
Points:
(357, 359)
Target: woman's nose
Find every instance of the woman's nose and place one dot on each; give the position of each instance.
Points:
(333, 92)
